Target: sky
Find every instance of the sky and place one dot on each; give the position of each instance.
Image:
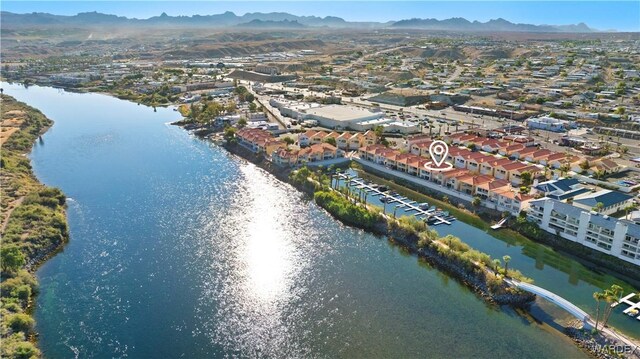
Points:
(602, 15)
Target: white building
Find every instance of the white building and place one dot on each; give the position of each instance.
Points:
(616, 237)
(333, 116)
(549, 124)
(341, 116)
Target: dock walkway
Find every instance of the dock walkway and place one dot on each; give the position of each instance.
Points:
(403, 201)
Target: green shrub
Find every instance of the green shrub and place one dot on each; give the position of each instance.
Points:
(20, 323)
(25, 350)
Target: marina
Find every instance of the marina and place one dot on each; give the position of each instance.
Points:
(430, 214)
(634, 307)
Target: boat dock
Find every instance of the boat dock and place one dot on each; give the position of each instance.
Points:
(499, 224)
(634, 307)
(403, 202)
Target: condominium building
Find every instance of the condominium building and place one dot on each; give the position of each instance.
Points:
(617, 237)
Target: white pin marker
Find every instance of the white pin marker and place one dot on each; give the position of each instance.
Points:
(438, 151)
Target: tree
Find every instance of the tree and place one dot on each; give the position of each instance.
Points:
(230, 133)
(12, 258)
(231, 107)
(476, 202)
(506, 260)
(496, 264)
(242, 122)
(612, 295)
(599, 174)
(585, 165)
(598, 207)
(627, 209)
(289, 140)
(598, 296)
(330, 140)
(527, 178)
(253, 107)
(379, 130)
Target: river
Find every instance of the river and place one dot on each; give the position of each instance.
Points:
(179, 249)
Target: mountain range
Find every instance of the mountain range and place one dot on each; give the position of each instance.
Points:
(270, 20)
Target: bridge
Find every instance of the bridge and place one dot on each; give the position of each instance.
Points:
(555, 299)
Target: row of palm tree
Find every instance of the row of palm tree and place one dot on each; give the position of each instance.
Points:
(609, 296)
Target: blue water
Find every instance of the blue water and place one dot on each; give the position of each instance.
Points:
(548, 268)
(179, 249)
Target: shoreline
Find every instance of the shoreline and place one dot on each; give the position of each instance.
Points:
(262, 164)
(35, 230)
(597, 347)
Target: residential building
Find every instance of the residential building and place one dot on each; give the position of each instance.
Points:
(617, 237)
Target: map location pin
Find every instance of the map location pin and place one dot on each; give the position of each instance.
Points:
(438, 151)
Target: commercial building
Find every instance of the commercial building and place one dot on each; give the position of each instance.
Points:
(549, 124)
(341, 116)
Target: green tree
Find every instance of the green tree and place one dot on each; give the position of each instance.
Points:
(585, 165)
(253, 107)
(476, 202)
(527, 178)
(379, 131)
(506, 260)
(12, 258)
(331, 141)
(612, 295)
(496, 264)
(598, 207)
(230, 133)
(598, 296)
(289, 140)
(242, 122)
(231, 107)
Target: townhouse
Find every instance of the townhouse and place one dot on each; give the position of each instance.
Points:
(347, 141)
(465, 178)
(314, 153)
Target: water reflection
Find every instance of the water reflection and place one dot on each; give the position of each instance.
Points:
(209, 257)
(267, 253)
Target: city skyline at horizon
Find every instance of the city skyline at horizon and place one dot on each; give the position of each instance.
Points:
(600, 15)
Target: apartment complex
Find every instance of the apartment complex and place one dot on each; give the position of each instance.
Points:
(617, 237)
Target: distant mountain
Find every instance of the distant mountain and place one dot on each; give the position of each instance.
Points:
(499, 25)
(268, 20)
(271, 24)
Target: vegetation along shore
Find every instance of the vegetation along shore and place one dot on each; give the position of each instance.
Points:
(479, 272)
(34, 226)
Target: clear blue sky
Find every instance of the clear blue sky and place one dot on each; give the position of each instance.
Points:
(603, 15)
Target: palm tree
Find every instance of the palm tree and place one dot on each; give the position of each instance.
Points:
(612, 295)
(599, 207)
(506, 260)
(599, 174)
(496, 264)
(476, 202)
(627, 209)
(598, 296)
